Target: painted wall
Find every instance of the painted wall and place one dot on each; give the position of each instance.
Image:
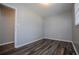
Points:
(76, 27)
(6, 25)
(28, 26)
(59, 27)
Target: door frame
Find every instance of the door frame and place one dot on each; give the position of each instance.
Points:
(15, 22)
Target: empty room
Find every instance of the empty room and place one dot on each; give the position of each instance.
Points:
(39, 29)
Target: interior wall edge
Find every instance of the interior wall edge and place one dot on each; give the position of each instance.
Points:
(18, 46)
(6, 43)
(75, 48)
(58, 39)
(66, 41)
(8, 7)
(15, 30)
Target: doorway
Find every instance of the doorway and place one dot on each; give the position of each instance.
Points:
(7, 26)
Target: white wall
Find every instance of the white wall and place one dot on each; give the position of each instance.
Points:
(58, 27)
(76, 28)
(28, 26)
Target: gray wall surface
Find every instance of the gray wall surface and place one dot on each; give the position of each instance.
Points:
(76, 27)
(59, 27)
(28, 26)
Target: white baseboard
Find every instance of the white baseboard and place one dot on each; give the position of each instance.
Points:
(6, 43)
(40, 39)
(18, 46)
(66, 41)
(59, 39)
(75, 48)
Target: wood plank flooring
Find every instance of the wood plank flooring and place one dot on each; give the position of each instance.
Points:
(41, 47)
(6, 48)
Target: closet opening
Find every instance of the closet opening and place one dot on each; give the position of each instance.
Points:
(7, 28)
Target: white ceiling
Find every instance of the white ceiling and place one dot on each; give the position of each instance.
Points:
(48, 10)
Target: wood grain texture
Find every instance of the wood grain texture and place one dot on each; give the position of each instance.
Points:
(42, 47)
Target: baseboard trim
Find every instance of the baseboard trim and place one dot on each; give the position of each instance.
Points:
(75, 48)
(50, 39)
(6, 43)
(18, 46)
(58, 39)
(66, 41)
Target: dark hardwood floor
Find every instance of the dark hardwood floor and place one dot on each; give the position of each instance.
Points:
(6, 48)
(41, 47)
